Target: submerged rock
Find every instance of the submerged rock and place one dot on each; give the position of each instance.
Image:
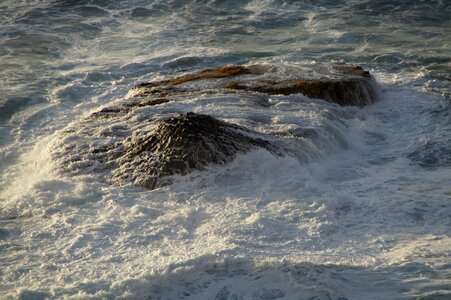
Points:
(148, 137)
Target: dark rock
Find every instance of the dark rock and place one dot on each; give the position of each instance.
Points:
(184, 143)
(356, 92)
(148, 153)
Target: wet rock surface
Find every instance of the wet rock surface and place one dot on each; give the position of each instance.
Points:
(347, 85)
(150, 151)
(187, 142)
(148, 137)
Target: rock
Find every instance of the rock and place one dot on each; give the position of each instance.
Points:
(148, 153)
(148, 137)
(339, 83)
(184, 143)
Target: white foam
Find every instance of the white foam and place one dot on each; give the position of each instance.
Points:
(344, 209)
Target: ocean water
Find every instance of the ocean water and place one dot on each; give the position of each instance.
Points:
(359, 210)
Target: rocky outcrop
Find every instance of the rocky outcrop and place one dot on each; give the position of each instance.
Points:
(346, 85)
(148, 137)
(184, 143)
(150, 155)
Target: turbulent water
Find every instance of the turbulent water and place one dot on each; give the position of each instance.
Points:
(361, 210)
